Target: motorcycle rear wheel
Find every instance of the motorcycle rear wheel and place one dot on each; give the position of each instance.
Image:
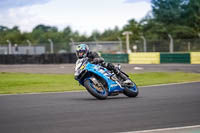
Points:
(99, 93)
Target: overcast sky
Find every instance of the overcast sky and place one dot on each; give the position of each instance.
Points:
(82, 15)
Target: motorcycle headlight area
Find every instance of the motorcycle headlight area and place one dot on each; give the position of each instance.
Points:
(79, 70)
(82, 67)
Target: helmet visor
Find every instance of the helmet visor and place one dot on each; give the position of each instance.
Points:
(81, 53)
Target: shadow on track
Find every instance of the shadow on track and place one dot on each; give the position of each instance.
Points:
(108, 99)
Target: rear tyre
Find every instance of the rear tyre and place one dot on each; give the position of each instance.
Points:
(99, 93)
(131, 91)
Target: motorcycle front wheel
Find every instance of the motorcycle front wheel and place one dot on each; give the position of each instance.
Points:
(131, 91)
(98, 92)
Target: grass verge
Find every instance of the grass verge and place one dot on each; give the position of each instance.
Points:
(17, 83)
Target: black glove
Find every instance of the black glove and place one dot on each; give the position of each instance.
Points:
(110, 66)
(96, 61)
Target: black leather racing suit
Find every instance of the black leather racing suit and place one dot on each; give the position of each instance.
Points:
(96, 59)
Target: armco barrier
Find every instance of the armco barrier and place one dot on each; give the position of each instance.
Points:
(58, 58)
(175, 58)
(115, 58)
(144, 58)
(38, 59)
(195, 57)
(2, 59)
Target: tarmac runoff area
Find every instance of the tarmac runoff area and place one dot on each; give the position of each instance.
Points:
(69, 69)
(128, 68)
(158, 109)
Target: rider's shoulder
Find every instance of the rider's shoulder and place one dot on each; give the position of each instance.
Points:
(93, 53)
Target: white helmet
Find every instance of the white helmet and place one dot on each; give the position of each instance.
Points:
(82, 51)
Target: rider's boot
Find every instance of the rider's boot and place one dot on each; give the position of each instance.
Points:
(126, 80)
(110, 66)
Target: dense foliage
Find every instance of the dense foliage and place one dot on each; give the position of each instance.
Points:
(180, 18)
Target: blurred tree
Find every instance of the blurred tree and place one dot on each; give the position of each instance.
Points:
(67, 31)
(95, 36)
(45, 28)
(167, 18)
(192, 15)
(3, 31)
(168, 11)
(110, 34)
(134, 27)
(3, 28)
(14, 35)
(153, 30)
(180, 18)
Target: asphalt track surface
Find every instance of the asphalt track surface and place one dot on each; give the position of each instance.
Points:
(128, 68)
(78, 112)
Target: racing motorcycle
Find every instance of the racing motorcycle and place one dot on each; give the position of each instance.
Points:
(100, 82)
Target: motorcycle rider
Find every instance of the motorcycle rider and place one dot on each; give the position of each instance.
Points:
(83, 51)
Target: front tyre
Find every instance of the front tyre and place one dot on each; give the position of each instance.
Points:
(94, 90)
(131, 91)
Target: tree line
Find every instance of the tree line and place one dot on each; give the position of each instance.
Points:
(179, 18)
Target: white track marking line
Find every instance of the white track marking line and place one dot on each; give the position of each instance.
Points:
(43, 93)
(85, 90)
(171, 84)
(164, 129)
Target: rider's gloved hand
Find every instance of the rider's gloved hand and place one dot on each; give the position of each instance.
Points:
(110, 66)
(96, 61)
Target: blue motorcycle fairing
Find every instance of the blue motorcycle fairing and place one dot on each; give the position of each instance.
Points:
(103, 73)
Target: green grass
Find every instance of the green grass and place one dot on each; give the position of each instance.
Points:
(15, 83)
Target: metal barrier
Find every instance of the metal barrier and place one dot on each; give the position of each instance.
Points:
(175, 58)
(144, 58)
(38, 59)
(133, 58)
(195, 57)
(115, 58)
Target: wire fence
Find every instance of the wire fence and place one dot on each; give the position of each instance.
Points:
(179, 45)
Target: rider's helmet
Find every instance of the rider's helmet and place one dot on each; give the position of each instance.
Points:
(82, 51)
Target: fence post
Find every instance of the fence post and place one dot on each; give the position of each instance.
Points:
(9, 47)
(51, 46)
(30, 45)
(171, 45)
(145, 43)
(120, 43)
(189, 46)
(127, 33)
